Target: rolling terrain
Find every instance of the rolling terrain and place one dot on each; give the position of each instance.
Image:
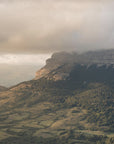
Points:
(70, 101)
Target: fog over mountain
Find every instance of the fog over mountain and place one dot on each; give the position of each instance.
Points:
(60, 65)
(56, 71)
(31, 27)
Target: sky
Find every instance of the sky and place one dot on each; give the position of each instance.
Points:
(31, 30)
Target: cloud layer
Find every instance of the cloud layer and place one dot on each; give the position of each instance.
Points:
(46, 26)
(22, 59)
(30, 30)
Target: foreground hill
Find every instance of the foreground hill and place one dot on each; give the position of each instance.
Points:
(68, 102)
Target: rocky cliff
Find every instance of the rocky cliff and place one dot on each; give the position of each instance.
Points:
(59, 66)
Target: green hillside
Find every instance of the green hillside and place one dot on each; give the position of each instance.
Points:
(45, 111)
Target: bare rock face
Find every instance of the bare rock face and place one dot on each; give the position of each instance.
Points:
(41, 73)
(59, 66)
(54, 66)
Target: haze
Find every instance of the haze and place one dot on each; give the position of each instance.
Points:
(30, 28)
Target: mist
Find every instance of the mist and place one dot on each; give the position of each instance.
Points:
(30, 28)
(18, 68)
(48, 26)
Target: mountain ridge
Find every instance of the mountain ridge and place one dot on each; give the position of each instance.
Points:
(69, 60)
(61, 109)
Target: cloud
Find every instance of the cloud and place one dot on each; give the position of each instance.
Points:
(40, 26)
(30, 30)
(14, 59)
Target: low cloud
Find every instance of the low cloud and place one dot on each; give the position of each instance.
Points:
(22, 59)
(30, 30)
(48, 26)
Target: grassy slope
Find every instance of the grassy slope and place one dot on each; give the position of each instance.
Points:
(67, 110)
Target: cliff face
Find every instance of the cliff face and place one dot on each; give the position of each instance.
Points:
(59, 66)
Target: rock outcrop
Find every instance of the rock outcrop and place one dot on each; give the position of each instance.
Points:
(59, 66)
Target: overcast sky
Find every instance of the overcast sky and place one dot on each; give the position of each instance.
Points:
(45, 26)
(31, 30)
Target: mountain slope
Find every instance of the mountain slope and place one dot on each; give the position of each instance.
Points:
(77, 108)
(50, 112)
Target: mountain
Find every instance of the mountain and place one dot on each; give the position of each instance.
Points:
(71, 100)
(59, 66)
(2, 88)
